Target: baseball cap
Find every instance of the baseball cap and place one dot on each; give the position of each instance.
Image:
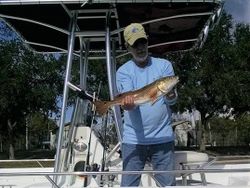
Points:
(134, 32)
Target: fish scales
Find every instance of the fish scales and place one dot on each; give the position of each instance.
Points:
(149, 93)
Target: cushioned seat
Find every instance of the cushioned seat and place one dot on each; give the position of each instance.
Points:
(190, 157)
(190, 160)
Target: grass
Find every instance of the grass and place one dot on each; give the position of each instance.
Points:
(229, 150)
(30, 154)
(26, 155)
(27, 164)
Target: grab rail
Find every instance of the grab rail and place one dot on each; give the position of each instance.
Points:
(124, 172)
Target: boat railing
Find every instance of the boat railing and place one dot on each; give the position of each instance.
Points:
(151, 173)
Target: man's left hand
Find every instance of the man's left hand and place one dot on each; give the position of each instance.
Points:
(171, 95)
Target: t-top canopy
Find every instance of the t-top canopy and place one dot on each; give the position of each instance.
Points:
(172, 25)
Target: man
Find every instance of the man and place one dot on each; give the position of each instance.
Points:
(147, 132)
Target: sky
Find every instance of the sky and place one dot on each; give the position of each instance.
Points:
(239, 9)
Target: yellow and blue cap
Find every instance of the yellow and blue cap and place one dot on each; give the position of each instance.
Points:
(133, 32)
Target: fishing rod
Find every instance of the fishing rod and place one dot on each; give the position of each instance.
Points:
(87, 165)
(86, 96)
(81, 93)
(105, 122)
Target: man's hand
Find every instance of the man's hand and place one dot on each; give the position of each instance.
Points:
(128, 103)
(171, 95)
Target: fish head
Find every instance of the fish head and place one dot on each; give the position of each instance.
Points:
(166, 84)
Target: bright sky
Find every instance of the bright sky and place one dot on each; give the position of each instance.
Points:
(239, 9)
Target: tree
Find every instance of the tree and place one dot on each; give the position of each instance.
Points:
(212, 77)
(240, 70)
(40, 127)
(29, 83)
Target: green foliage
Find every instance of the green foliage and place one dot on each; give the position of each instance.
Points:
(41, 124)
(218, 74)
(97, 75)
(29, 83)
(40, 127)
(231, 132)
(240, 70)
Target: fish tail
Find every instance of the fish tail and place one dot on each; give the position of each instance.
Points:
(101, 106)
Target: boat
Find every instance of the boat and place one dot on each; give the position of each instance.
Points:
(92, 30)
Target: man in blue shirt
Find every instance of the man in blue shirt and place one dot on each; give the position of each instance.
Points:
(147, 131)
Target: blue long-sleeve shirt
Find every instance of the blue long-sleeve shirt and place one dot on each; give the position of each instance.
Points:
(146, 124)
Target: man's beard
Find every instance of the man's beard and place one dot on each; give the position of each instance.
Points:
(141, 59)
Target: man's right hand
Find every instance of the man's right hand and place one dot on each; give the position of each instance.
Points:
(128, 102)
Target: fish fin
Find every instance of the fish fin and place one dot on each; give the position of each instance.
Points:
(153, 100)
(101, 106)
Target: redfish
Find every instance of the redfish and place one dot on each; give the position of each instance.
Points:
(149, 93)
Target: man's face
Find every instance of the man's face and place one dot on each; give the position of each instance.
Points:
(139, 50)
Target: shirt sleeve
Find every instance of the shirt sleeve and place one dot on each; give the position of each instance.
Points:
(123, 81)
(169, 71)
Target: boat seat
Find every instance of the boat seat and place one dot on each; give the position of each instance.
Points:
(185, 160)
